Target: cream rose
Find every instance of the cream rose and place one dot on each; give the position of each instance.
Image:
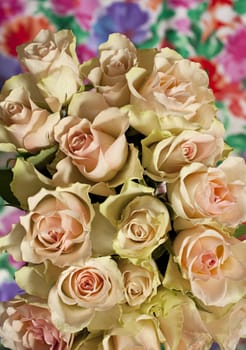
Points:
(49, 51)
(141, 220)
(25, 124)
(98, 149)
(140, 281)
(56, 228)
(217, 193)
(214, 264)
(26, 326)
(51, 59)
(82, 292)
(107, 73)
(179, 321)
(173, 87)
(164, 154)
(227, 326)
(138, 332)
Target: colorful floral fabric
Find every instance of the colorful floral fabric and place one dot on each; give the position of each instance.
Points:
(212, 33)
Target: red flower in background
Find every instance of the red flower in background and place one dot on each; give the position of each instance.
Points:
(224, 90)
(21, 30)
(216, 80)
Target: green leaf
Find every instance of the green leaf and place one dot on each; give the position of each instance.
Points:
(38, 279)
(240, 231)
(45, 156)
(27, 181)
(180, 42)
(237, 141)
(6, 177)
(196, 13)
(239, 6)
(210, 48)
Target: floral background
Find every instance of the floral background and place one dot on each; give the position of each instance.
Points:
(210, 32)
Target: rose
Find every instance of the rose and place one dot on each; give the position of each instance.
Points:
(140, 281)
(227, 326)
(107, 73)
(56, 228)
(51, 59)
(26, 326)
(82, 292)
(141, 220)
(23, 123)
(137, 332)
(98, 149)
(218, 193)
(174, 87)
(49, 51)
(179, 321)
(213, 263)
(164, 154)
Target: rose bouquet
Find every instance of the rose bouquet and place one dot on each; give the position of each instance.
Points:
(132, 202)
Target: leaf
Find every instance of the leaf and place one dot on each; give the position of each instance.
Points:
(179, 41)
(44, 157)
(6, 177)
(239, 6)
(240, 231)
(210, 48)
(196, 13)
(237, 141)
(38, 279)
(27, 181)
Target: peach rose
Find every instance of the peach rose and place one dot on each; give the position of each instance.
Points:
(179, 321)
(164, 154)
(98, 149)
(214, 264)
(173, 87)
(25, 326)
(107, 73)
(140, 281)
(218, 193)
(227, 326)
(23, 123)
(56, 228)
(138, 332)
(82, 292)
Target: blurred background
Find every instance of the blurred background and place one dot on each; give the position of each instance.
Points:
(210, 32)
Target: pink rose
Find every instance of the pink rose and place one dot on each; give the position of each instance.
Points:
(56, 228)
(173, 87)
(98, 149)
(179, 321)
(25, 124)
(82, 292)
(165, 154)
(203, 192)
(213, 263)
(26, 326)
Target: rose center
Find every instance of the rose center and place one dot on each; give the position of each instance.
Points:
(37, 50)
(80, 142)
(189, 150)
(89, 283)
(209, 260)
